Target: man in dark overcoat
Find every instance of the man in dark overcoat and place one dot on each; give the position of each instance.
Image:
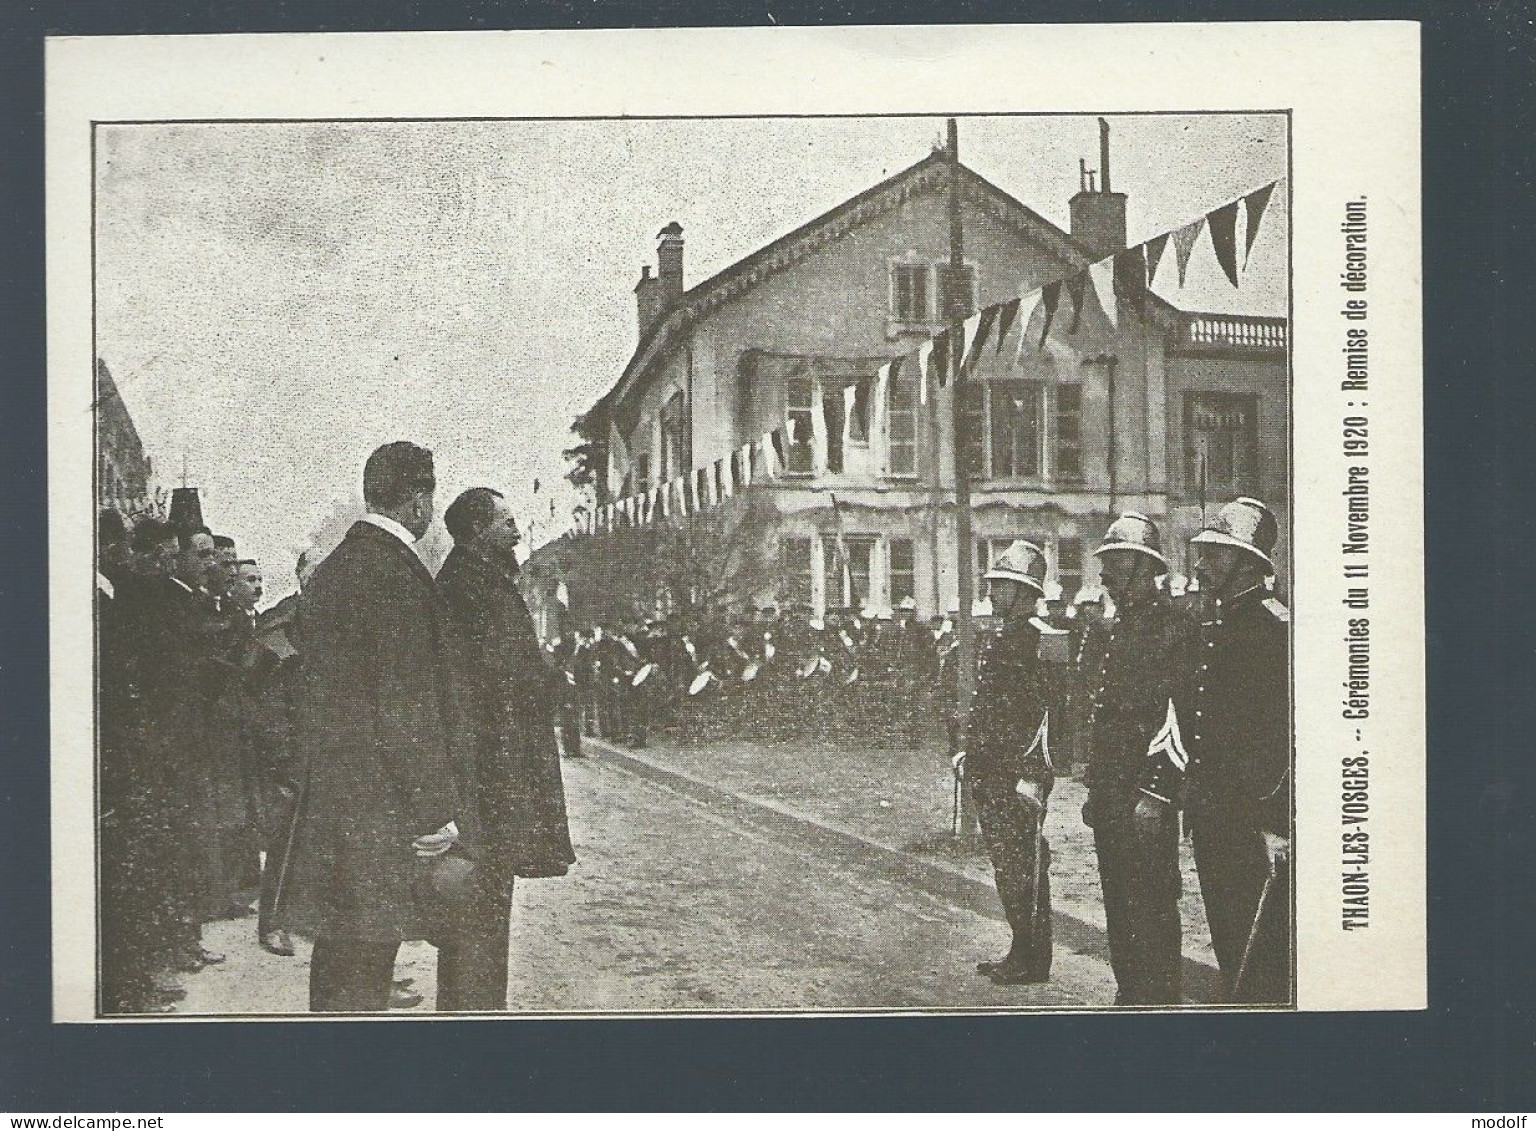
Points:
(509, 693)
(1238, 734)
(377, 853)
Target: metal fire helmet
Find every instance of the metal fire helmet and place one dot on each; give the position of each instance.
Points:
(1133, 531)
(1245, 523)
(1023, 562)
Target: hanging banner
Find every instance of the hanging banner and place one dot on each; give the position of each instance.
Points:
(1223, 225)
(850, 407)
(879, 403)
(1184, 245)
(819, 436)
(924, 353)
(775, 453)
(1253, 208)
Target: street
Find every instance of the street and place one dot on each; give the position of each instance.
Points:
(684, 901)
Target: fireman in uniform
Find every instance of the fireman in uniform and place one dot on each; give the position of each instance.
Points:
(1237, 728)
(1009, 764)
(1130, 668)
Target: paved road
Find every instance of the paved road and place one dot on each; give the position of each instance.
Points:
(681, 904)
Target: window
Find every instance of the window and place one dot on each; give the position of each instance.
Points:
(847, 583)
(967, 292)
(1069, 434)
(909, 292)
(903, 571)
(795, 564)
(1069, 566)
(675, 456)
(973, 422)
(901, 424)
(1221, 441)
(1017, 434)
(801, 454)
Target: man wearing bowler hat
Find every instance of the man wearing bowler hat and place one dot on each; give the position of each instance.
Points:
(1237, 731)
(1009, 763)
(1131, 665)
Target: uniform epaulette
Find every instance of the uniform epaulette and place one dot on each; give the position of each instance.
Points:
(1045, 629)
(1278, 610)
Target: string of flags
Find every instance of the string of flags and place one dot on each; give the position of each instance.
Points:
(1118, 283)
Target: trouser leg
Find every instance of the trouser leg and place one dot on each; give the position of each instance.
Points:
(1140, 877)
(351, 975)
(1010, 828)
(1233, 866)
(472, 960)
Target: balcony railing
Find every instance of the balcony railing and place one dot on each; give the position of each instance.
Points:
(1222, 332)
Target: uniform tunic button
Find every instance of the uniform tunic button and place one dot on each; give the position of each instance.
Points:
(1199, 714)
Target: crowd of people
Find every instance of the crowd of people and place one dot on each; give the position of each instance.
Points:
(370, 761)
(376, 759)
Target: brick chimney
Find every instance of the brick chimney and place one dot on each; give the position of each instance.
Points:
(1098, 215)
(648, 299)
(669, 261)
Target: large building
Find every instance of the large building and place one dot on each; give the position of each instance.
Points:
(123, 471)
(1154, 414)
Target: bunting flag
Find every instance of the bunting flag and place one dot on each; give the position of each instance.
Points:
(939, 361)
(970, 330)
(722, 481)
(850, 406)
(1077, 290)
(1131, 280)
(819, 435)
(1028, 304)
(1223, 225)
(1184, 244)
(1253, 208)
(985, 320)
(700, 489)
(1050, 299)
(1005, 318)
(877, 410)
(777, 446)
(924, 352)
(744, 457)
(1102, 274)
(1155, 248)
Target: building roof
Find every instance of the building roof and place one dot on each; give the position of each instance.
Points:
(931, 173)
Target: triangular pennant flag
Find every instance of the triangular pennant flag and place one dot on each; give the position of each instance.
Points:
(850, 406)
(1131, 280)
(1184, 244)
(939, 362)
(924, 354)
(1102, 275)
(1223, 225)
(1253, 205)
(1006, 313)
(1077, 287)
(1155, 248)
(1050, 299)
(1028, 304)
(987, 317)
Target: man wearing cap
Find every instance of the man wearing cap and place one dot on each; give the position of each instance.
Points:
(1237, 730)
(1131, 665)
(1009, 764)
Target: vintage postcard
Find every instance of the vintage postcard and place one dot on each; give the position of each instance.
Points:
(773, 521)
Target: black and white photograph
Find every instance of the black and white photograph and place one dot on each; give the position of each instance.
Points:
(728, 565)
(723, 563)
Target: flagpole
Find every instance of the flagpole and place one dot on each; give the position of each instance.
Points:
(965, 637)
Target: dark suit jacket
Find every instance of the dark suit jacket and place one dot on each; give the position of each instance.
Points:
(376, 723)
(510, 694)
